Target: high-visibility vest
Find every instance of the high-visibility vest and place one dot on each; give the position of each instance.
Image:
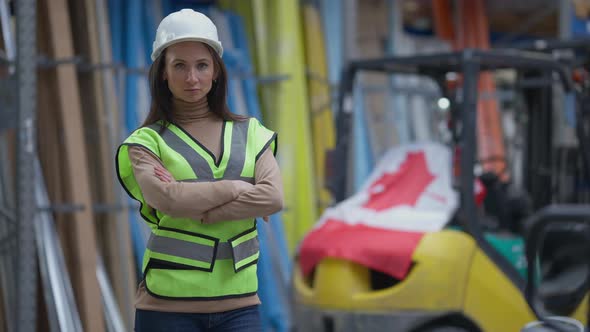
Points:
(184, 258)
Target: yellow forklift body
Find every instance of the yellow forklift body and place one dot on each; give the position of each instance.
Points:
(449, 274)
(493, 301)
(436, 280)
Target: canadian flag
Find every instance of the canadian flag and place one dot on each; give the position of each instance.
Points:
(408, 194)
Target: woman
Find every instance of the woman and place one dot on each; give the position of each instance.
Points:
(202, 176)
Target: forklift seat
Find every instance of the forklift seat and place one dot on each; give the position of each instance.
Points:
(562, 293)
(565, 270)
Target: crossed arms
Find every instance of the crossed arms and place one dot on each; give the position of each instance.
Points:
(209, 202)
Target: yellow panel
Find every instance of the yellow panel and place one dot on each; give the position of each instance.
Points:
(581, 313)
(323, 132)
(495, 303)
(492, 300)
(436, 282)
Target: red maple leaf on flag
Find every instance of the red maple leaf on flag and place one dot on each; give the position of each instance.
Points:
(402, 187)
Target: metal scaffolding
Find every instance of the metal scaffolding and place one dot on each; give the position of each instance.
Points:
(26, 61)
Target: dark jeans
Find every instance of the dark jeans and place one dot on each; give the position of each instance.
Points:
(243, 320)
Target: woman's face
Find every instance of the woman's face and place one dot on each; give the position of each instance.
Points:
(189, 70)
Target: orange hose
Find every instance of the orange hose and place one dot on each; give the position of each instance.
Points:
(443, 20)
(472, 31)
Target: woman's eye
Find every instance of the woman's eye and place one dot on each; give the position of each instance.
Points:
(202, 66)
(179, 65)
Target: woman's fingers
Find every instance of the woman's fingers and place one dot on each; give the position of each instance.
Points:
(162, 174)
(163, 178)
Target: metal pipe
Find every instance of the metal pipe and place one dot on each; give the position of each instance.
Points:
(469, 141)
(26, 36)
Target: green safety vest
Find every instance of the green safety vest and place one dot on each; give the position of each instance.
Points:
(184, 258)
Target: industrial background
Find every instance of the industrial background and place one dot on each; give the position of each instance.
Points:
(431, 151)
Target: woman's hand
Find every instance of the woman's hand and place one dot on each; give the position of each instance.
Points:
(242, 186)
(163, 174)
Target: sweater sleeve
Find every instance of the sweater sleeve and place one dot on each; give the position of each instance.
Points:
(263, 199)
(179, 199)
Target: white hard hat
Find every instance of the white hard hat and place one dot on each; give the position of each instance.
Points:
(185, 25)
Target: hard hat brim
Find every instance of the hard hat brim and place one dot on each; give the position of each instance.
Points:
(215, 45)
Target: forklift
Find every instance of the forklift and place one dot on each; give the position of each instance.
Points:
(459, 279)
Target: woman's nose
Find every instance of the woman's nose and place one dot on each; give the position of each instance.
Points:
(191, 76)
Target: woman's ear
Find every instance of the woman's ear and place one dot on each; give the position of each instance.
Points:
(164, 76)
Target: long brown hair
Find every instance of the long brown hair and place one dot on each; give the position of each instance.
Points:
(161, 101)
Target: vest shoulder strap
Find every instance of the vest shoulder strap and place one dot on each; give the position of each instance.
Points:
(262, 137)
(146, 137)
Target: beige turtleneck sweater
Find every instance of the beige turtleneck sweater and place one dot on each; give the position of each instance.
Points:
(206, 201)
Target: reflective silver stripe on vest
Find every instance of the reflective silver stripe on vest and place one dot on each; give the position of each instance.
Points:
(245, 249)
(180, 248)
(238, 150)
(195, 160)
(201, 252)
